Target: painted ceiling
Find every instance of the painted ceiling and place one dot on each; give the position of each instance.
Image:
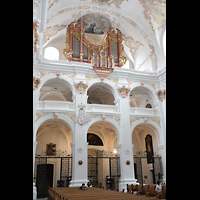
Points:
(141, 21)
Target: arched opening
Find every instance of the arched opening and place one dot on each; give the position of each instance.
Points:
(102, 155)
(55, 90)
(100, 93)
(141, 97)
(53, 153)
(147, 162)
(93, 139)
(51, 53)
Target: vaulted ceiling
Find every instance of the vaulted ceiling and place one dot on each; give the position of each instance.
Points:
(142, 22)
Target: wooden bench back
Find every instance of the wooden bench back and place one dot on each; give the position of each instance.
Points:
(152, 189)
(146, 188)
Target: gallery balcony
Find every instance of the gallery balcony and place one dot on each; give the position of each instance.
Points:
(55, 105)
(144, 111)
(102, 108)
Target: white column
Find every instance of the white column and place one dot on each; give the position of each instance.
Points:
(79, 148)
(34, 140)
(163, 129)
(126, 152)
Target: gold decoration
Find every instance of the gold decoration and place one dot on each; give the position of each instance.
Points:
(70, 116)
(123, 91)
(157, 121)
(39, 115)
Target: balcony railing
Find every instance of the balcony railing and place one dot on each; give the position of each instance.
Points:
(102, 108)
(144, 111)
(56, 104)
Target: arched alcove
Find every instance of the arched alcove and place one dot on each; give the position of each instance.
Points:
(100, 93)
(141, 97)
(56, 89)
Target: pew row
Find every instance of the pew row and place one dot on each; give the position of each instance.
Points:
(91, 194)
(148, 190)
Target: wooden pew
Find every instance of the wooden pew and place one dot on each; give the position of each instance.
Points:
(151, 191)
(131, 188)
(163, 195)
(139, 189)
(128, 187)
(146, 189)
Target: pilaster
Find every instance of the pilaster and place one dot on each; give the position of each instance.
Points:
(162, 105)
(79, 142)
(126, 153)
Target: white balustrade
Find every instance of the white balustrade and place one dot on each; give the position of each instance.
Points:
(102, 108)
(145, 111)
(56, 104)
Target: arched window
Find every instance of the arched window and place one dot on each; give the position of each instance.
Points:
(51, 53)
(164, 42)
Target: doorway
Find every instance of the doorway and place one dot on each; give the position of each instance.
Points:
(152, 180)
(44, 179)
(104, 171)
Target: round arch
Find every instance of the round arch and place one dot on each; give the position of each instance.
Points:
(101, 136)
(146, 86)
(62, 117)
(113, 123)
(48, 77)
(38, 135)
(107, 84)
(153, 124)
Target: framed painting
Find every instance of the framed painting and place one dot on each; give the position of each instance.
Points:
(149, 148)
(51, 149)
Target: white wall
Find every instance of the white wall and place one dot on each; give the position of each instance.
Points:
(52, 136)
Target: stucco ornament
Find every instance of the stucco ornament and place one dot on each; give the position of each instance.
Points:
(82, 118)
(161, 95)
(123, 91)
(81, 87)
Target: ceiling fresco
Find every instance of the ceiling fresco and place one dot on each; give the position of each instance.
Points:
(95, 23)
(141, 21)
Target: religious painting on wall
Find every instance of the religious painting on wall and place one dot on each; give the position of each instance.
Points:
(95, 23)
(149, 148)
(51, 149)
(94, 139)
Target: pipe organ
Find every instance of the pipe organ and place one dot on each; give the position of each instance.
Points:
(104, 51)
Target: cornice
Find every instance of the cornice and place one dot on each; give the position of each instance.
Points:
(87, 69)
